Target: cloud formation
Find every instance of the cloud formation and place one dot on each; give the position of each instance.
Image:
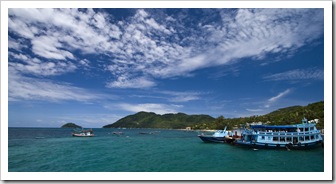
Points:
(124, 82)
(150, 107)
(297, 75)
(186, 96)
(280, 95)
(151, 44)
(38, 67)
(27, 88)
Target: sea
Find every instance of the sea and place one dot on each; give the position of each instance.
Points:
(145, 150)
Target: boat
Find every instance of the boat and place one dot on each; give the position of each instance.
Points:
(82, 133)
(297, 136)
(218, 137)
(118, 133)
(152, 132)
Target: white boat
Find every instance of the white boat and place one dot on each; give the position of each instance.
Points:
(83, 133)
(298, 136)
(218, 136)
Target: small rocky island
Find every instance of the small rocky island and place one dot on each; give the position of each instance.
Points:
(70, 125)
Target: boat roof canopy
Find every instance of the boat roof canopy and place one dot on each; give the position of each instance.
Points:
(274, 126)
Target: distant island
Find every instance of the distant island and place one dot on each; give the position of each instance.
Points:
(283, 116)
(70, 125)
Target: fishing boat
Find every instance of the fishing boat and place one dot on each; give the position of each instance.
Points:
(218, 136)
(82, 133)
(298, 136)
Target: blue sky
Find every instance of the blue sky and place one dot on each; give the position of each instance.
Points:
(95, 66)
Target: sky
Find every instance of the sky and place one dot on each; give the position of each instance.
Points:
(93, 67)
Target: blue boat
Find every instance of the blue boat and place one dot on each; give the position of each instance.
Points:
(298, 136)
(218, 137)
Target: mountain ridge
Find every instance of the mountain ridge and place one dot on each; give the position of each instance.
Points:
(151, 120)
(287, 115)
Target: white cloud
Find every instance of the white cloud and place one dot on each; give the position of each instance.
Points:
(255, 110)
(152, 23)
(175, 96)
(141, 14)
(49, 47)
(280, 95)
(38, 67)
(183, 67)
(85, 62)
(257, 32)
(26, 88)
(124, 82)
(184, 98)
(14, 44)
(250, 33)
(299, 74)
(20, 28)
(150, 107)
(55, 33)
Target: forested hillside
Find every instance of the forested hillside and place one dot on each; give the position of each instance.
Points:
(284, 116)
(152, 120)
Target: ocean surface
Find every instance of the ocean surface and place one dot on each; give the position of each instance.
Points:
(55, 150)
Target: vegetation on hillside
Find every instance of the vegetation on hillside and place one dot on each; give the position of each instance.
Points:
(152, 120)
(284, 116)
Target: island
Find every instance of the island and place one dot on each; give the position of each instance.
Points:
(70, 125)
(287, 115)
(166, 121)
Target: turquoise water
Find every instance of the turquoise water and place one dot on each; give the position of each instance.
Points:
(55, 150)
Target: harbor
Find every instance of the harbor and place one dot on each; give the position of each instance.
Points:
(167, 151)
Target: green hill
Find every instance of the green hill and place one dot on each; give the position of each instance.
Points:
(152, 120)
(295, 114)
(283, 116)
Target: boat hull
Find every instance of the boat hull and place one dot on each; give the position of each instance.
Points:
(79, 135)
(259, 145)
(229, 140)
(211, 139)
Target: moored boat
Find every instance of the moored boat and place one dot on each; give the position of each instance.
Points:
(298, 136)
(83, 133)
(218, 136)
